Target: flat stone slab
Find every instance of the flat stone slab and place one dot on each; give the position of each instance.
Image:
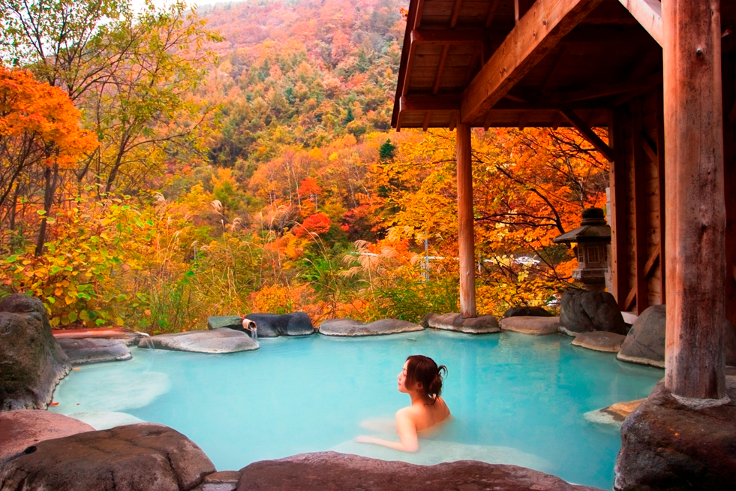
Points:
(484, 324)
(127, 336)
(676, 444)
(126, 458)
(350, 327)
(24, 428)
(220, 481)
(229, 321)
(216, 341)
(531, 325)
(608, 342)
(94, 350)
(615, 414)
(332, 471)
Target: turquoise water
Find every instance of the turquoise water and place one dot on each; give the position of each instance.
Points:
(515, 399)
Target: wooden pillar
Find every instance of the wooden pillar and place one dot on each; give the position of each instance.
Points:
(466, 240)
(695, 262)
(617, 214)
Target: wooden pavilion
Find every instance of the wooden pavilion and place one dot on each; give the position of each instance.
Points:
(661, 77)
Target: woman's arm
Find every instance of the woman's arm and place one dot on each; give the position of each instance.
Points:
(407, 433)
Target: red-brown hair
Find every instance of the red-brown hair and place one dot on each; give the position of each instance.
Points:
(423, 370)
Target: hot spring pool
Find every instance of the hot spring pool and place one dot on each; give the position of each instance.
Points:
(516, 399)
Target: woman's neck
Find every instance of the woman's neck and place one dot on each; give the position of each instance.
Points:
(418, 398)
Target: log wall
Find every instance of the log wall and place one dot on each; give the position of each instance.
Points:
(729, 158)
(638, 194)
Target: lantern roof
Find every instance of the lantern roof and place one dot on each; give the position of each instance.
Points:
(593, 228)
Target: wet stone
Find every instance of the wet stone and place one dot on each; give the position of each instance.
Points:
(350, 327)
(216, 341)
(531, 325)
(92, 350)
(484, 324)
(608, 342)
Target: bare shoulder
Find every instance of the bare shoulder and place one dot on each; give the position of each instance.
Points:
(443, 410)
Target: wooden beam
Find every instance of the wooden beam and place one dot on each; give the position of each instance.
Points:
(617, 219)
(491, 12)
(453, 121)
(420, 11)
(695, 200)
(649, 14)
(521, 7)
(629, 302)
(440, 69)
(447, 36)
(651, 263)
(630, 85)
(425, 103)
(647, 147)
(524, 120)
(661, 190)
(588, 133)
(466, 238)
(425, 123)
(640, 218)
(533, 37)
(455, 13)
(555, 63)
(407, 72)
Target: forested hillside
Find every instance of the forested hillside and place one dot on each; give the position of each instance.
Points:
(239, 158)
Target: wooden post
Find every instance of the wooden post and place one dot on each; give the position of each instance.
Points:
(466, 240)
(695, 207)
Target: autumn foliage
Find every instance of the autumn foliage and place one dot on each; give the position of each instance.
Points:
(266, 178)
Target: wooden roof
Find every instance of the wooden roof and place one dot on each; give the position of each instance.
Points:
(517, 63)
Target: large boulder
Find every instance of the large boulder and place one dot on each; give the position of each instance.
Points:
(94, 350)
(645, 341)
(525, 311)
(585, 311)
(23, 428)
(350, 327)
(273, 325)
(216, 341)
(483, 324)
(331, 471)
(531, 325)
(134, 457)
(33, 363)
(667, 445)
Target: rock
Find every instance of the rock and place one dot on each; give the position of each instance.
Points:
(613, 414)
(91, 350)
(484, 324)
(645, 341)
(220, 481)
(350, 327)
(526, 312)
(666, 445)
(24, 428)
(134, 457)
(531, 325)
(221, 340)
(331, 471)
(33, 363)
(126, 336)
(272, 325)
(229, 321)
(585, 311)
(608, 342)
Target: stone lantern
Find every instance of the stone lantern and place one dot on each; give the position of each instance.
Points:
(593, 238)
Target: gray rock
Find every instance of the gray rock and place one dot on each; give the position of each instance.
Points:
(644, 343)
(331, 471)
(33, 363)
(229, 321)
(220, 481)
(585, 311)
(24, 428)
(666, 445)
(350, 327)
(531, 325)
(484, 324)
(221, 340)
(526, 312)
(608, 342)
(134, 457)
(273, 325)
(93, 350)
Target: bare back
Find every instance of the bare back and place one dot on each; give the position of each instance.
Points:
(424, 416)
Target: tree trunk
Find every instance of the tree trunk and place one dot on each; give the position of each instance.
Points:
(51, 177)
